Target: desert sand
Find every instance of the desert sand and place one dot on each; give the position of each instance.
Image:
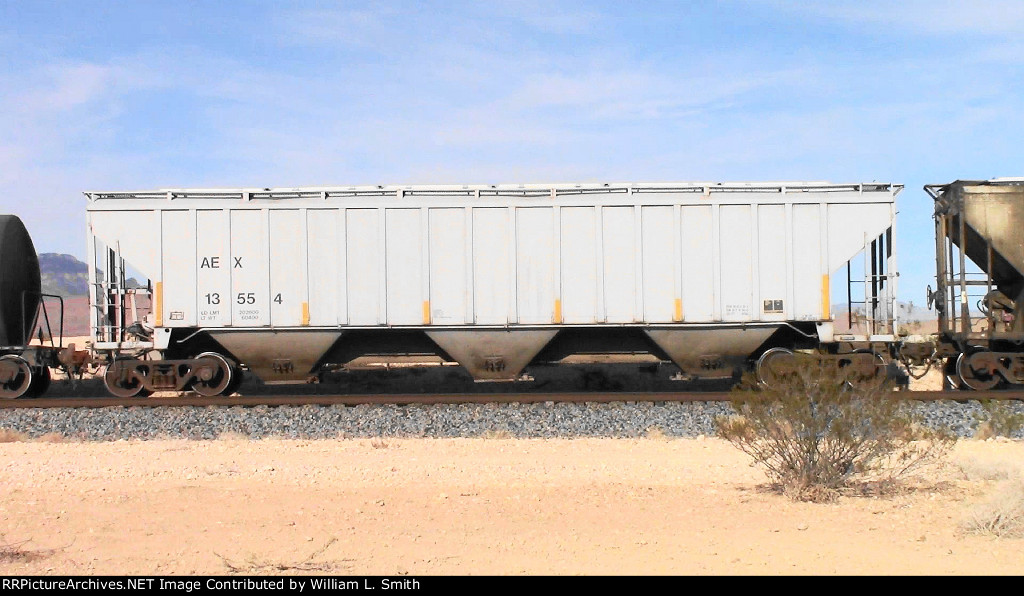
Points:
(475, 506)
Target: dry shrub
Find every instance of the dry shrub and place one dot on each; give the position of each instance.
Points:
(51, 438)
(998, 419)
(496, 434)
(12, 552)
(816, 434)
(253, 565)
(656, 433)
(232, 435)
(12, 436)
(379, 443)
(984, 431)
(1001, 515)
(975, 469)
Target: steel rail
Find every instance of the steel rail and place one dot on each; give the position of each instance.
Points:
(193, 400)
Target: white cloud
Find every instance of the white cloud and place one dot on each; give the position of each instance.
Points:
(66, 86)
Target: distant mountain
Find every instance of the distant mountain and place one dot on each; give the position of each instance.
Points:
(63, 275)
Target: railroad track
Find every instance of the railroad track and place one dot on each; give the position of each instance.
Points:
(194, 400)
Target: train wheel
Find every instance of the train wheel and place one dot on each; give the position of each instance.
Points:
(973, 376)
(40, 383)
(120, 381)
(15, 376)
(950, 378)
(775, 364)
(214, 374)
(237, 376)
(868, 368)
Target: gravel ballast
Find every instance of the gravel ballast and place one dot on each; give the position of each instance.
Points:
(539, 420)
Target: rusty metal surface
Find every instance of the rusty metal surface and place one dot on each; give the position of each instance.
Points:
(980, 221)
(996, 214)
(982, 214)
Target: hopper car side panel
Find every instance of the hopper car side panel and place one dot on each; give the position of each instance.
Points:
(661, 262)
(383, 259)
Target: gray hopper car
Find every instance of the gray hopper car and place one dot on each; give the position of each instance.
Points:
(286, 283)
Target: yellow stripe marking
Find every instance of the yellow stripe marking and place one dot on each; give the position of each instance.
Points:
(426, 312)
(679, 310)
(558, 311)
(305, 313)
(826, 300)
(159, 310)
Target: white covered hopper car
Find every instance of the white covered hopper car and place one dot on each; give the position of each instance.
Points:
(712, 277)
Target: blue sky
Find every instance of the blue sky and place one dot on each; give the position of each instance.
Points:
(140, 95)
